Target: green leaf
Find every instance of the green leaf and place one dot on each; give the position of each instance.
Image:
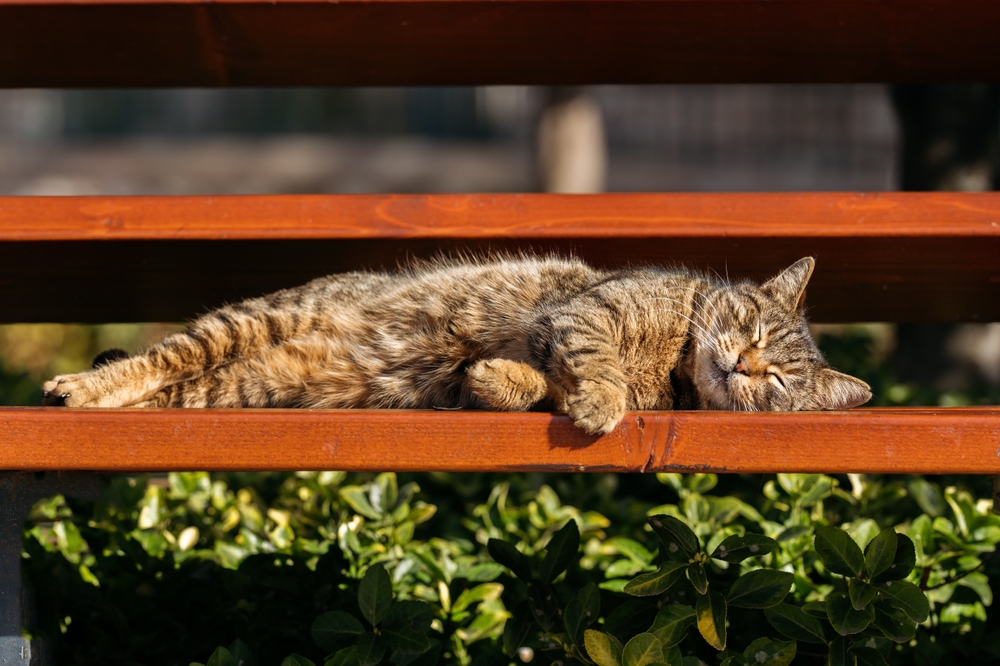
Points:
(375, 594)
(793, 533)
(711, 610)
(672, 656)
(477, 594)
(560, 551)
(642, 650)
(221, 657)
(861, 594)
(794, 623)
(544, 605)
(679, 542)
(696, 574)
(484, 572)
(510, 557)
(839, 552)
(843, 616)
(737, 548)
(582, 611)
(908, 598)
(816, 609)
(383, 493)
(405, 627)
(346, 657)
(817, 490)
(371, 648)
(624, 619)
(672, 622)
(880, 644)
(429, 657)
(927, 495)
(604, 649)
(241, 653)
(762, 588)
(980, 584)
(296, 660)
(516, 629)
(765, 652)
(867, 656)
(657, 582)
(725, 509)
(839, 653)
(880, 552)
(631, 548)
(894, 624)
(433, 567)
(902, 562)
(333, 629)
(357, 499)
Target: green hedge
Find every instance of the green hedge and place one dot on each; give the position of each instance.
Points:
(332, 568)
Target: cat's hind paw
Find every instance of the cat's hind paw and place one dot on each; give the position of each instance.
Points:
(596, 408)
(507, 385)
(71, 391)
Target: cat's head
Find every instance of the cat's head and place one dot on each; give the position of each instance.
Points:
(756, 352)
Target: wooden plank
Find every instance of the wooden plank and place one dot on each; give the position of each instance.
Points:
(881, 257)
(137, 43)
(897, 441)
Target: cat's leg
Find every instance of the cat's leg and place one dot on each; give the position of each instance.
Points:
(507, 385)
(218, 338)
(580, 351)
(313, 371)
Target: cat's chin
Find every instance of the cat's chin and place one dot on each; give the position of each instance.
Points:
(716, 392)
(722, 390)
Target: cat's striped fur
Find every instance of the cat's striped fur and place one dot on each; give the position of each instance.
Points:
(499, 333)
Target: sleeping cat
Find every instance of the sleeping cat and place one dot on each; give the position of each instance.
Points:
(500, 333)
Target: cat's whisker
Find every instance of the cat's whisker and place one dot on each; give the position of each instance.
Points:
(692, 322)
(704, 296)
(700, 315)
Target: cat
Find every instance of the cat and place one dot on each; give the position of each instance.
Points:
(504, 333)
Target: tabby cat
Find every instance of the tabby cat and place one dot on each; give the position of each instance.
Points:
(510, 333)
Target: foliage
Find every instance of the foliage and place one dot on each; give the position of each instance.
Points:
(329, 568)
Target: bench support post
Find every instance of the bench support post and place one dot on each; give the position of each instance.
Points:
(996, 492)
(18, 491)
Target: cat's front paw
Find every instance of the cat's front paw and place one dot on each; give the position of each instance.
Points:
(69, 391)
(596, 408)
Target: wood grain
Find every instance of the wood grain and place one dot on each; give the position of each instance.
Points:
(162, 43)
(897, 441)
(881, 257)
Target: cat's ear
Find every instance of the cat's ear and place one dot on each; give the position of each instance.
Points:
(789, 288)
(835, 390)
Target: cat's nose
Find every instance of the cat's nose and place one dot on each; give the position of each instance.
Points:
(742, 367)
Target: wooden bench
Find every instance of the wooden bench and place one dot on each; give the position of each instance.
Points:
(882, 257)
(886, 257)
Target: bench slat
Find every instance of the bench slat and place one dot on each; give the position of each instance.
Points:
(881, 257)
(899, 441)
(163, 43)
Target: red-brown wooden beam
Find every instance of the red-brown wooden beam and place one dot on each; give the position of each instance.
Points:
(897, 441)
(881, 257)
(162, 43)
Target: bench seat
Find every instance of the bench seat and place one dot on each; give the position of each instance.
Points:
(883, 440)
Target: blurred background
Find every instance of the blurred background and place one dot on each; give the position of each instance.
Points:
(506, 139)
